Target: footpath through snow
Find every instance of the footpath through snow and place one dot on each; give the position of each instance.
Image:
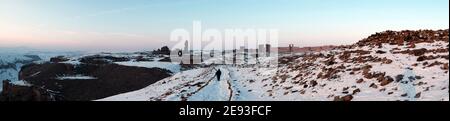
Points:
(193, 85)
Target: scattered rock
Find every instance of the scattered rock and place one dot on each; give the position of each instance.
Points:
(373, 85)
(404, 95)
(445, 67)
(356, 91)
(421, 58)
(399, 77)
(360, 81)
(313, 83)
(380, 52)
(417, 95)
(386, 81)
(345, 88)
(419, 52)
(344, 98)
(302, 92)
(287, 88)
(386, 61)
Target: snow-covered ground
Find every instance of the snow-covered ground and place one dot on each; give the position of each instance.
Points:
(191, 85)
(75, 77)
(174, 68)
(377, 72)
(310, 78)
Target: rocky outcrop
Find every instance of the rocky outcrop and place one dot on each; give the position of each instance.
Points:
(163, 51)
(407, 37)
(58, 59)
(13, 92)
(373, 63)
(107, 79)
(10, 64)
(343, 98)
(102, 59)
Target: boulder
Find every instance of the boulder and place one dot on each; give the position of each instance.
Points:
(387, 80)
(360, 81)
(356, 91)
(13, 92)
(344, 98)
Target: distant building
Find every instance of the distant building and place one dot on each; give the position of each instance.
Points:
(264, 49)
(186, 46)
(268, 46)
(291, 46)
(242, 48)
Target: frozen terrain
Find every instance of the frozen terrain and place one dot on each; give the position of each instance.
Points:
(174, 68)
(380, 68)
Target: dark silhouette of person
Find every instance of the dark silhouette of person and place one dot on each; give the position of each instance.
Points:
(218, 74)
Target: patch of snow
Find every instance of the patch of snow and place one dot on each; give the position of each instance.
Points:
(21, 83)
(174, 68)
(75, 77)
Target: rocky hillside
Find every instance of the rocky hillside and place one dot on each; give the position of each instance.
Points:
(14, 92)
(87, 77)
(405, 65)
(12, 60)
(10, 64)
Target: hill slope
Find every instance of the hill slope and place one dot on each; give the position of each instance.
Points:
(405, 65)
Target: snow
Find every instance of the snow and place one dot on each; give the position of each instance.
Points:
(75, 77)
(246, 82)
(253, 83)
(21, 83)
(72, 62)
(262, 87)
(174, 83)
(174, 88)
(174, 68)
(215, 90)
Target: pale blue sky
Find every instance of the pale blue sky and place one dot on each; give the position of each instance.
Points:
(118, 25)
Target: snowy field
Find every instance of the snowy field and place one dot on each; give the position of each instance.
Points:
(311, 78)
(174, 68)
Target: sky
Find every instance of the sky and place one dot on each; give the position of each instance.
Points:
(135, 25)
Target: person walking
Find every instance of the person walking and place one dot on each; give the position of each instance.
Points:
(218, 74)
